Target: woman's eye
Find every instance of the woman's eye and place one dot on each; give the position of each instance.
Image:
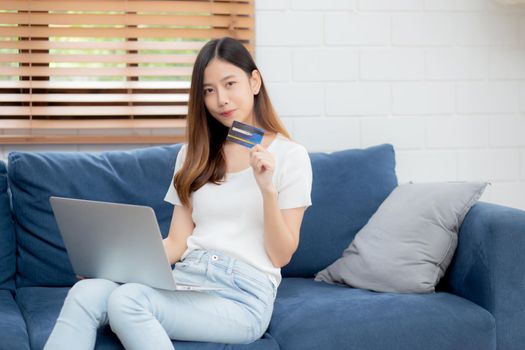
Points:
(207, 91)
(230, 83)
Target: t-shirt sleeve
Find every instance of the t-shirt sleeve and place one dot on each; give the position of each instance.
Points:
(172, 196)
(295, 180)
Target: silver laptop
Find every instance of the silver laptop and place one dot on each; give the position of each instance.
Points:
(119, 242)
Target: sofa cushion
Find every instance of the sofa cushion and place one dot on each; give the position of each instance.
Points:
(408, 243)
(41, 307)
(348, 187)
(139, 176)
(7, 236)
(316, 315)
(13, 333)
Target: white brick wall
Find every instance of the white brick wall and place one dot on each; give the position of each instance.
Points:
(423, 98)
(392, 64)
(488, 97)
(356, 99)
(389, 5)
(356, 28)
(441, 80)
(458, 63)
(317, 65)
(424, 29)
(456, 132)
(522, 162)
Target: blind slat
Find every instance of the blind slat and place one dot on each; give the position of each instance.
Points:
(111, 45)
(94, 110)
(93, 97)
(185, 33)
(92, 139)
(98, 85)
(95, 58)
(237, 7)
(103, 45)
(128, 19)
(92, 124)
(96, 71)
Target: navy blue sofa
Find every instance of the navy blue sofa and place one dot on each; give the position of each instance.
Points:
(478, 305)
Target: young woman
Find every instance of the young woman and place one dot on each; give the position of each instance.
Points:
(236, 221)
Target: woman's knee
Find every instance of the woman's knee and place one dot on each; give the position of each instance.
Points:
(128, 298)
(91, 293)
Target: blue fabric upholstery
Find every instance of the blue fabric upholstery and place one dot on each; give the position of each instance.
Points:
(41, 307)
(488, 270)
(140, 176)
(316, 315)
(481, 296)
(13, 334)
(7, 236)
(348, 188)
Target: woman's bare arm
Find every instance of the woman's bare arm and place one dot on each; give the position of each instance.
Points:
(180, 229)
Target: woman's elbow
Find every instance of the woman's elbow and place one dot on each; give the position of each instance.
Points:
(280, 264)
(282, 261)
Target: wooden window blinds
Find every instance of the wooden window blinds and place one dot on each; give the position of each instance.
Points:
(99, 64)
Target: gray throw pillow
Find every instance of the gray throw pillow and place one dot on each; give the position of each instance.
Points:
(408, 243)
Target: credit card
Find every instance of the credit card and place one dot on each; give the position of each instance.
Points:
(244, 134)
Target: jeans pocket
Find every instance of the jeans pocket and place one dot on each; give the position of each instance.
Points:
(182, 265)
(189, 262)
(252, 286)
(189, 272)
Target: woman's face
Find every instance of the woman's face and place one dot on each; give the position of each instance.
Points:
(229, 92)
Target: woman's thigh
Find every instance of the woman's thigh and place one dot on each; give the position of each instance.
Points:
(211, 318)
(241, 283)
(238, 313)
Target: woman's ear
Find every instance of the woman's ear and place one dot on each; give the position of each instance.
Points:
(255, 81)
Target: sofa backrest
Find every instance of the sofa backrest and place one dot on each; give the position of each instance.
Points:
(7, 235)
(348, 187)
(140, 176)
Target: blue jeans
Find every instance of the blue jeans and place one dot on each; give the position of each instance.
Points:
(148, 318)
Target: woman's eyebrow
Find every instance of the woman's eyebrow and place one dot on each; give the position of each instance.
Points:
(225, 78)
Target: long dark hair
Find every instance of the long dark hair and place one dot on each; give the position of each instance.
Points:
(205, 160)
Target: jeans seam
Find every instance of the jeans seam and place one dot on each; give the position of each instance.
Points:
(237, 271)
(250, 278)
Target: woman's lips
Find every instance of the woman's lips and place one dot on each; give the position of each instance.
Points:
(228, 113)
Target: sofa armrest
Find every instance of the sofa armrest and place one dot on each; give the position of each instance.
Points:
(13, 331)
(489, 268)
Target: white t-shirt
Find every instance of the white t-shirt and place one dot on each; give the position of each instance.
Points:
(229, 217)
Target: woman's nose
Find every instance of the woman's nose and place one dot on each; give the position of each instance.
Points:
(222, 98)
